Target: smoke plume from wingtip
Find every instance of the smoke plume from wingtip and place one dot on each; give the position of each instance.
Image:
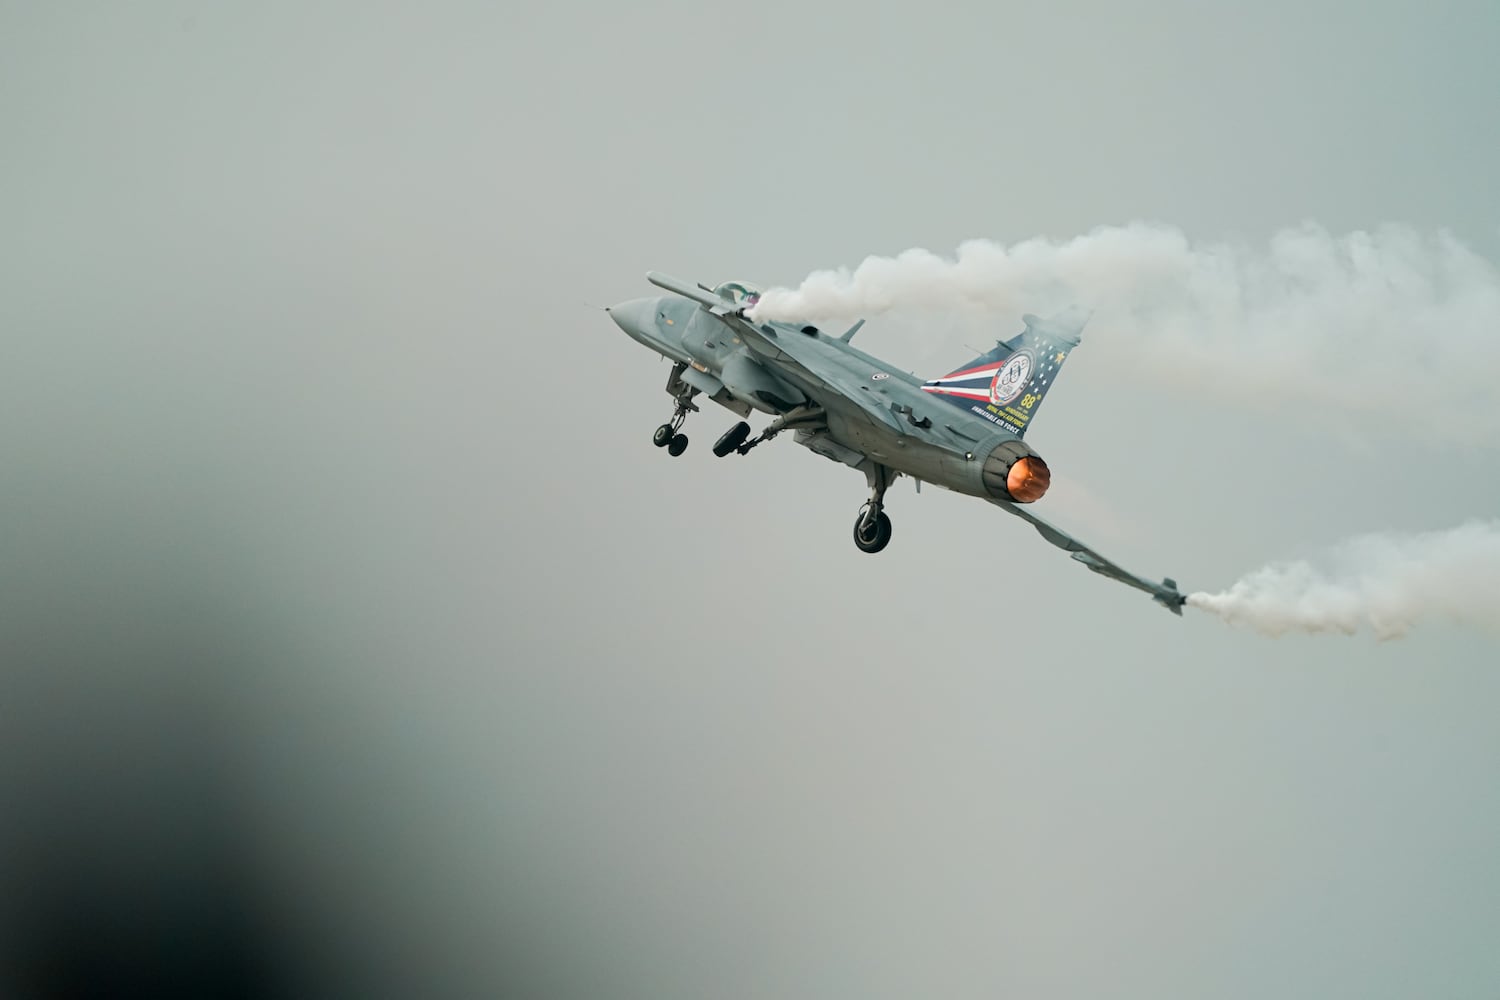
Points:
(1361, 323)
(1384, 583)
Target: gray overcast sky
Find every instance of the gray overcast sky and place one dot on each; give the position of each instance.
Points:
(300, 396)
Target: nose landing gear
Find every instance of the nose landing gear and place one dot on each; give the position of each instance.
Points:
(669, 435)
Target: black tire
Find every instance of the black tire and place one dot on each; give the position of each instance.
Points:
(732, 439)
(663, 436)
(876, 537)
(677, 445)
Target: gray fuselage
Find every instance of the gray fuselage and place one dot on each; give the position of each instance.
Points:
(871, 413)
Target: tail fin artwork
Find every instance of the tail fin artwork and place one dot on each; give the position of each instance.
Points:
(1006, 385)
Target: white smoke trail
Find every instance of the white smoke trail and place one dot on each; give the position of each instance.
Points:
(1390, 322)
(1386, 583)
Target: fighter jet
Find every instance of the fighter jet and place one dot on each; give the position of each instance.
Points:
(963, 431)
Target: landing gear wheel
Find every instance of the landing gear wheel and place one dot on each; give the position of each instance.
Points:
(677, 445)
(874, 535)
(663, 435)
(732, 439)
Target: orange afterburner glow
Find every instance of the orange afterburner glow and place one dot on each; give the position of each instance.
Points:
(1028, 479)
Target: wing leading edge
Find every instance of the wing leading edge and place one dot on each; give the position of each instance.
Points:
(1164, 593)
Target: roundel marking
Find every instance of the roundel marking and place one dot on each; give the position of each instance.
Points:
(878, 376)
(1011, 379)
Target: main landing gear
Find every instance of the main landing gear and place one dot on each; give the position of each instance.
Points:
(732, 439)
(738, 439)
(872, 529)
(669, 435)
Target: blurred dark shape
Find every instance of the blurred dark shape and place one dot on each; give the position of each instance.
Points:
(124, 867)
(192, 802)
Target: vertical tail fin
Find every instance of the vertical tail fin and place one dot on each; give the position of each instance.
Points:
(1007, 385)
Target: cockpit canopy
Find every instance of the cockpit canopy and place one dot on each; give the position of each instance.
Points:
(739, 292)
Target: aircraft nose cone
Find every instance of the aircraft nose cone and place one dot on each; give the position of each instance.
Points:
(634, 317)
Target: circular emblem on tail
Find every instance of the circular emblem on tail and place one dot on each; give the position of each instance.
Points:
(1011, 378)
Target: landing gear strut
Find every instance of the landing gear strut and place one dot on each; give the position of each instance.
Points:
(801, 416)
(872, 529)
